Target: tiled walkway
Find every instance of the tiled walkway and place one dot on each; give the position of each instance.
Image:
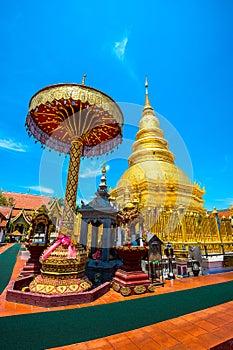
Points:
(198, 331)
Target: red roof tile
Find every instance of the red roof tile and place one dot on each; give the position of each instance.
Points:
(3, 223)
(6, 211)
(224, 213)
(27, 201)
(15, 212)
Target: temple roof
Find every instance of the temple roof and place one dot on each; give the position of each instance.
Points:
(5, 211)
(221, 212)
(27, 201)
(5, 214)
(22, 214)
(3, 223)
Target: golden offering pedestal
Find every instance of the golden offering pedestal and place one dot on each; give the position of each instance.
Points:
(129, 278)
(60, 274)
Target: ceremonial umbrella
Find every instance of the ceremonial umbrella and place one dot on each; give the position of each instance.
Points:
(83, 122)
(77, 120)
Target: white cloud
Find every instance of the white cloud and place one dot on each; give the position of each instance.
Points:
(119, 48)
(11, 145)
(41, 189)
(224, 200)
(89, 172)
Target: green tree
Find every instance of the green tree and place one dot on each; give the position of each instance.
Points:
(3, 200)
(11, 201)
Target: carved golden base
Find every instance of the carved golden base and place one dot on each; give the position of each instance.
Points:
(57, 286)
(139, 289)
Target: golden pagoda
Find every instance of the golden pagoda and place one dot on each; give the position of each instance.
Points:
(172, 207)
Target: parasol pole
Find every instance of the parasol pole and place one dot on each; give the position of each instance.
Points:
(72, 181)
(71, 187)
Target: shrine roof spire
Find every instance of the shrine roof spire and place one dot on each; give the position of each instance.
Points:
(147, 106)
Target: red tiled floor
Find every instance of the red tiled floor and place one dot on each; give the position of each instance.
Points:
(166, 326)
(191, 318)
(208, 326)
(178, 347)
(193, 343)
(223, 333)
(149, 344)
(209, 339)
(99, 343)
(198, 331)
(164, 339)
(193, 329)
(138, 336)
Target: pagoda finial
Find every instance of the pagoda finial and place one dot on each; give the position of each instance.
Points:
(83, 79)
(104, 168)
(103, 186)
(147, 106)
(214, 211)
(147, 102)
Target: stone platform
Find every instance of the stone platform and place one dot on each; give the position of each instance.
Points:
(130, 283)
(15, 294)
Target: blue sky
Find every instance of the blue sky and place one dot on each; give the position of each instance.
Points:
(185, 48)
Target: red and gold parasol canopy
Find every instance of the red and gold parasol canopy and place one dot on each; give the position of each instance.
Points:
(62, 113)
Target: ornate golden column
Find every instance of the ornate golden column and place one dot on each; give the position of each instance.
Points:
(72, 186)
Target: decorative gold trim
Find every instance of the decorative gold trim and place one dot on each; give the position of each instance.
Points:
(76, 92)
(61, 113)
(62, 273)
(116, 287)
(139, 289)
(125, 291)
(50, 286)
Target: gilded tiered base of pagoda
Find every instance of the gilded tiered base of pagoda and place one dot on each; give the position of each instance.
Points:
(207, 248)
(194, 229)
(129, 278)
(60, 273)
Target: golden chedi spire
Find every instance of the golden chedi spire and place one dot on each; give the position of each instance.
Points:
(147, 107)
(150, 143)
(152, 169)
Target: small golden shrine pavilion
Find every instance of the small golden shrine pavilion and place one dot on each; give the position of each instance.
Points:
(172, 207)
